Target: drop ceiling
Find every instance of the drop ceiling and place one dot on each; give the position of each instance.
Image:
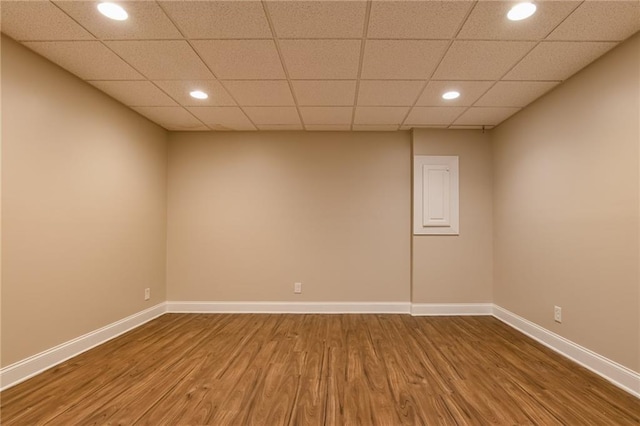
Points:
(322, 65)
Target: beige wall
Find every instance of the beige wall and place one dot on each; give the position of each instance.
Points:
(1, 200)
(83, 199)
(251, 213)
(566, 208)
(458, 268)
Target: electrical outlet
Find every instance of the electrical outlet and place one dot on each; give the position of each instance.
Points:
(297, 288)
(147, 293)
(557, 314)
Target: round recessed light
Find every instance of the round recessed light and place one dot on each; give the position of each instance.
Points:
(199, 94)
(451, 95)
(521, 11)
(113, 11)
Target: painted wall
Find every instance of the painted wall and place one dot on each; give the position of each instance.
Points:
(83, 207)
(0, 201)
(566, 208)
(458, 268)
(251, 213)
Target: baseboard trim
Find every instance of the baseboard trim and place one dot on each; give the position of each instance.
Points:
(451, 309)
(615, 373)
(22, 370)
(432, 309)
(290, 307)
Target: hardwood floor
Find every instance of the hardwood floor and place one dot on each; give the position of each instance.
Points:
(319, 370)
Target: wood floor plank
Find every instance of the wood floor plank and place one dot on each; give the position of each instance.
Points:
(200, 369)
(75, 369)
(88, 374)
(310, 407)
(159, 368)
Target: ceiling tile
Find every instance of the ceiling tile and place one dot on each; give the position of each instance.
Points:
(515, 93)
(380, 115)
(433, 115)
(557, 60)
(485, 116)
(180, 89)
(600, 21)
(89, 60)
(39, 20)
(326, 115)
(171, 118)
(470, 91)
(241, 59)
(321, 59)
(328, 127)
(389, 92)
(324, 92)
(401, 59)
(317, 19)
(146, 20)
(219, 19)
(235, 58)
(280, 127)
(481, 60)
(375, 128)
(273, 115)
(407, 19)
(488, 21)
(222, 118)
(135, 93)
(260, 92)
(162, 60)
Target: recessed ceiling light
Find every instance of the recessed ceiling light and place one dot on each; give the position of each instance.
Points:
(199, 94)
(113, 11)
(521, 11)
(451, 95)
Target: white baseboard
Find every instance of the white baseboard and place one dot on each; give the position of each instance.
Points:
(291, 307)
(451, 309)
(22, 370)
(617, 374)
(432, 309)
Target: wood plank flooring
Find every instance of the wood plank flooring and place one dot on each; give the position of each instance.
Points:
(193, 369)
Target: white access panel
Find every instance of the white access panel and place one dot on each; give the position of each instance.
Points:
(435, 195)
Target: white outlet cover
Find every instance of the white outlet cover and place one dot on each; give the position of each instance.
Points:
(557, 314)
